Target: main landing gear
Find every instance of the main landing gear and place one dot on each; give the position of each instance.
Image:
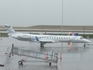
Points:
(42, 44)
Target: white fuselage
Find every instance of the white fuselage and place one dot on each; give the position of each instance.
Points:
(49, 38)
(43, 39)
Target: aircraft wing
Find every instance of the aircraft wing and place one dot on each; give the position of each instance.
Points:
(46, 41)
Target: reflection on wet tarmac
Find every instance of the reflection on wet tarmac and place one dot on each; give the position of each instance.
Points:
(38, 67)
(75, 58)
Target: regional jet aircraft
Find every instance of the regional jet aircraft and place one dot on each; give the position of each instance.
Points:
(43, 39)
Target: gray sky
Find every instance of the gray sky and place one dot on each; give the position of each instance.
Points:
(46, 12)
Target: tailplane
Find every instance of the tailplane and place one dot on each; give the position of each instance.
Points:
(9, 29)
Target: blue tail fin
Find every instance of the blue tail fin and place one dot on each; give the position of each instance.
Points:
(9, 29)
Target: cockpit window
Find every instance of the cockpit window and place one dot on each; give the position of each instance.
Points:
(81, 37)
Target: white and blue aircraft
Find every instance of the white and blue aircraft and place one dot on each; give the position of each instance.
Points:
(43, 39)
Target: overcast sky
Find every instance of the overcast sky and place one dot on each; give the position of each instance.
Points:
(46, 12)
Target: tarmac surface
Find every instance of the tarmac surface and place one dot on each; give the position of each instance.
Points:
(75, 58)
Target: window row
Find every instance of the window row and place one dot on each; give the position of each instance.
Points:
(53, 37)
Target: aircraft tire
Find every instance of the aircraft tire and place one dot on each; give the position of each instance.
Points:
(49, 63)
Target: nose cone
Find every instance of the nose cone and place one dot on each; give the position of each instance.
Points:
(86, 41)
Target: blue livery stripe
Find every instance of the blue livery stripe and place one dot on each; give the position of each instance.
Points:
(36, 38)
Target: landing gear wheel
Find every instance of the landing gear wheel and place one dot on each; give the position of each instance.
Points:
(20, 63)
(84, 45)
(41, 45)
(49, 63)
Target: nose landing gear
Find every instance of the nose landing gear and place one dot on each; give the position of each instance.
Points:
(84, 45)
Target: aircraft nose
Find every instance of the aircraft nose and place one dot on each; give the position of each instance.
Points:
(87, 41)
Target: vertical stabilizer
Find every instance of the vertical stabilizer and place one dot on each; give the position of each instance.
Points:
(9, 29)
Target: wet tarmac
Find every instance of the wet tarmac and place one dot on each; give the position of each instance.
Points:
(75, 58)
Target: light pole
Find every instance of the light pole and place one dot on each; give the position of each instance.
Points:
(62, 17)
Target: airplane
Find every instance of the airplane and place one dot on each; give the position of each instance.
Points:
(43, 39)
